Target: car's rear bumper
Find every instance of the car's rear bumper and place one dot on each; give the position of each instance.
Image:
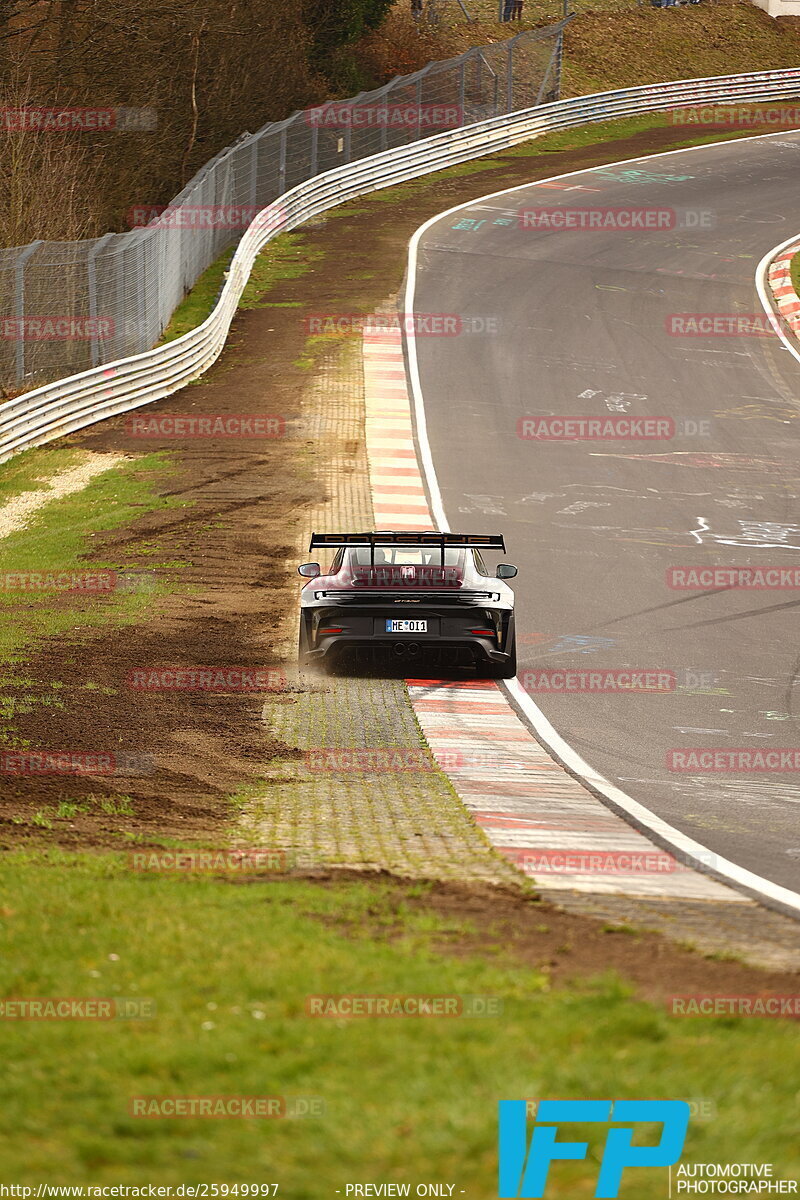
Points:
(463, 651)
(454, 634)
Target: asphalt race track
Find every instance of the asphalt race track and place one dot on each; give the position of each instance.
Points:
(579, 323)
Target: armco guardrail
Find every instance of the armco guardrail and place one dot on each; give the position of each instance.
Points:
(70, 404)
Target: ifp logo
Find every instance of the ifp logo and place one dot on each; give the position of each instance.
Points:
(523, 1171)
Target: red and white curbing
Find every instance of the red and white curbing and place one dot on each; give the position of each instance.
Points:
(398, 497)
(780, 282)
(530, 808)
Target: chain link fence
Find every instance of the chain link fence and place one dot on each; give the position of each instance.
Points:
(69, 306)
(436, 14)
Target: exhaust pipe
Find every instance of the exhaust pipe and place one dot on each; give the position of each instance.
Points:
(412, 649)
(399, 649)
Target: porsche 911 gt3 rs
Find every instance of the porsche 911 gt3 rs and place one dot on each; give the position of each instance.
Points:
(410, 599)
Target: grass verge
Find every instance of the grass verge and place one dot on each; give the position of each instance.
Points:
(794, 268)
(58, 540)
(286, 257)
(229, 966)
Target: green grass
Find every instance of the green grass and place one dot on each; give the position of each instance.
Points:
(60, 537)
(794, 267)
(200, 301)
(229, 965)
(627, 127)
(28, 472)
(286, 257)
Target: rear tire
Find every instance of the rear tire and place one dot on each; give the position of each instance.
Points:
(506, 670)
(302, 646)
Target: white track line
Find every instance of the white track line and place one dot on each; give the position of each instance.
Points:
(641, 817)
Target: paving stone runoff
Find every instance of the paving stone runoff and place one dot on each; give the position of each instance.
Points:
(469, 792)
(329, 809)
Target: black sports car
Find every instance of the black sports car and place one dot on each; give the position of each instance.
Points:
(411, 599)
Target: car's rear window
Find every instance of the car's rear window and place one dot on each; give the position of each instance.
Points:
(402, 556)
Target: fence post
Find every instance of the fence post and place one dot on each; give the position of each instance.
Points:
(462, 90)
(120, 347)
(384, 93)
(483, 62)
(418, 132)
(254, 174)
(91, 279)
(141, 296)
(282, 164)
(559, 62)
(510, 76)
(314, 149)
(19, 305)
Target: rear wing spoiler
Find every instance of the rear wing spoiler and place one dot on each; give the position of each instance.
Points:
(483, 541)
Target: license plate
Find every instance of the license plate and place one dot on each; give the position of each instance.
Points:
(403, 626)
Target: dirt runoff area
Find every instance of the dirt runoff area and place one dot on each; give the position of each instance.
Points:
(233, 549)
(481, 919)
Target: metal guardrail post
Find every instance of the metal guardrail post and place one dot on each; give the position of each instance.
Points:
(19, 305)
(91, 280)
